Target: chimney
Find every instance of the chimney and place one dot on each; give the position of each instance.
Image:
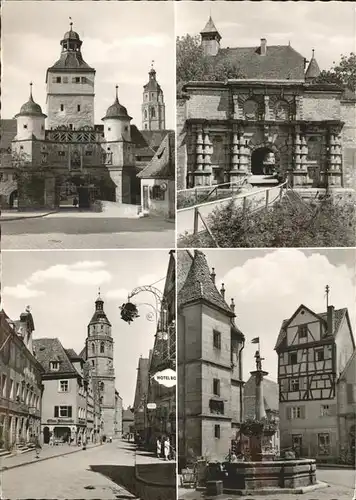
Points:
(213, 275)
(263, 49)
(232, 305)
(331, 320)
(222, 291)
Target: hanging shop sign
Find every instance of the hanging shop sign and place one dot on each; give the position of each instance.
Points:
(167, 377)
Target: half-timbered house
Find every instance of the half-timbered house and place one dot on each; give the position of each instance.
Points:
(313, 351)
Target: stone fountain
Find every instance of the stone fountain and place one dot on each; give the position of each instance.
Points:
(263, 473)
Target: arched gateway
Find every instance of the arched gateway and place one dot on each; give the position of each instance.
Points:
(264, 159)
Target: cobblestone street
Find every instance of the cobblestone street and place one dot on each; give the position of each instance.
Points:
(341, 487)
(76, 232)
(69, 476)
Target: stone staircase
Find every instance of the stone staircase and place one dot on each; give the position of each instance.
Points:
(263, 180)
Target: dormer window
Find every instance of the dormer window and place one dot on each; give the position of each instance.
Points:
(54, 366)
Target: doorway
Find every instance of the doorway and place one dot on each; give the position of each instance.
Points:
(13, 200)
(258, 158)
(46, 435)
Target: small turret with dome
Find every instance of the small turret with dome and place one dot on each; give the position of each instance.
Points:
(117, 122)
(153, 107)
(30, 120)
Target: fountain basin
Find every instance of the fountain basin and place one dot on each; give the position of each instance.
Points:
(252, 476)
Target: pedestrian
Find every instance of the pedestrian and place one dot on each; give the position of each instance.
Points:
(159, 447)
(75, 202)
(167, 449)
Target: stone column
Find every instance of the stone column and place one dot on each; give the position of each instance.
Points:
(203, 150)
(334, 160)
(300, 151)
(238, 167)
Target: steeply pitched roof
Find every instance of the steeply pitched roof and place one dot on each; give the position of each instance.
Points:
(162, 165)
(281, 62)
(141, 381)
(209, 27)
(313, 69)
(184, 261)
(127, 416)
(47, 350)
(270, 396)
(154, 138)
(199, 285)
(339, 315)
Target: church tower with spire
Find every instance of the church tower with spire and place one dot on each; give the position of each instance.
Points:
(70, 87)
(100, 355)
(153, 107)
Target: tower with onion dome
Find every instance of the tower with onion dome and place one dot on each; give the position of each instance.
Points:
(99, 355)
(119, 150)
(153, 107)
(70, 87)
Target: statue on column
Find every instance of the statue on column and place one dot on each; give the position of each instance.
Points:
(258, 361)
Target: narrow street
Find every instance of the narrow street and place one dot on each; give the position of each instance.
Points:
(70, 476)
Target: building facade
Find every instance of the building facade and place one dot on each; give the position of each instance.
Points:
(21, 385)
(67, 409)
(158, 180)
(210, 390)
(346, 411)
(50, 160)
(161, 422)
(313, 352)
(273, 117)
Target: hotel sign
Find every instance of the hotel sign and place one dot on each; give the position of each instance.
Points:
(167, 377)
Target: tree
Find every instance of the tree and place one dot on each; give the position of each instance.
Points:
(193, 65)
(343, 73)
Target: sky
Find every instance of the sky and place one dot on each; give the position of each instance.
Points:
(327, 27)
(120, 39)
(269, 285)
(61, 288)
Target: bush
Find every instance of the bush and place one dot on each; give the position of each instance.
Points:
(327, 223)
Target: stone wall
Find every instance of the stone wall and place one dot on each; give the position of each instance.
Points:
(70, 113)
(321, 106)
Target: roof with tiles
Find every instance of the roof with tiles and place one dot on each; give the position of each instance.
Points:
(141, 381)
(199, 285)
(281, 62)
(270, 396)
(339, 316)
(184, 261)
(162, 165)
(313, 69)
(209, 27)
(47, 350)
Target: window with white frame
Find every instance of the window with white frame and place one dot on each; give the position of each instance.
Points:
(54, 366)
(63, 386)
(63, 411)
(296, 412)
(294, 384)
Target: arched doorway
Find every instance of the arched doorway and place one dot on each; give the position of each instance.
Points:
(13, 199)
(261, 163)
(74, 192)
(46, 435)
